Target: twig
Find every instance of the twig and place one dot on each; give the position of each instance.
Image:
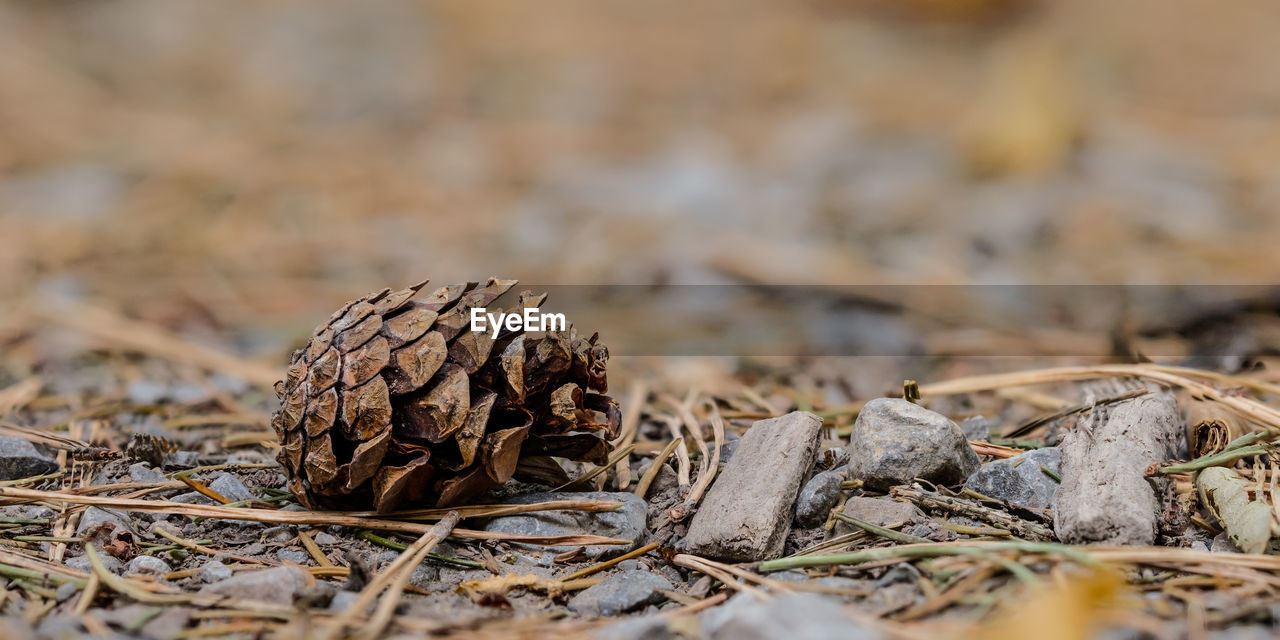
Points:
(609, 563)
(400, 571)
(642, 487)
(294, 517)
(934, 501)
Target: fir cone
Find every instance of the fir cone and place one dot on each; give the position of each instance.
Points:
(395, 401)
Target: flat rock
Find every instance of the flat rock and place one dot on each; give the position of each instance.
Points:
(627, 523)
(231, 487)
(620, 593)
(1020, 480)
(747, 513)
(794, 615)
(277, 585)
(884, 512)
(817, 497)
(20, 459)
(895, 441)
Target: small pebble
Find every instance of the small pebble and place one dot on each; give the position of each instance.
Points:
(147, 566)
(213, 571)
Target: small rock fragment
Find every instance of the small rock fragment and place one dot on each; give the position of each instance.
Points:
(278, 585)
(296, 556)
(627, 523)
(213, 571)
(231, 488)
(795, 615)
(20, 459)
(1105, 497)
(654, 627)
(816, 499)
(895, 442)
(143, 472)
(878, 511)
(620, 593)
(747, 513)
(81, 563)
(147, 566)
(1020, 480)
(93, 517)
(326, 539)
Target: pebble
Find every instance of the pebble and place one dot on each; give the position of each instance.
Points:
(277, 585)
(1222, 544)
(895, 441)
(622, 592)
(655, 627)
(143, 472)
(147, 566)
(627, 523)
(20, 459)
(296, 556)
(1020, 480)
(231, 488)
(94, 516)
(343, 600)
(81, 563)
(326, 539)
(879, 511)
(65, 591)
(666, 478)
(213, 571)
(817, 498)
(795, 615)
(747, 514)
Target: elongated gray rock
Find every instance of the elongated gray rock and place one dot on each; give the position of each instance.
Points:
(747, 513)
(626, 523)
(895, 441)
(1105, 497)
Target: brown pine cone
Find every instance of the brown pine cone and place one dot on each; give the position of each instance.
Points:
(396, 401)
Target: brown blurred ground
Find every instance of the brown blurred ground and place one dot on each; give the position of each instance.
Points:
(248, 166)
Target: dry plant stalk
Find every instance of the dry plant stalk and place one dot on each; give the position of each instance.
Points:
(1247, 522)
(396, 400)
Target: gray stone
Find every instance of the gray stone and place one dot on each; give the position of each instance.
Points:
(231, 488)
(1105, 497)
(81, 563)
(666, 479)
(143, 472)
(794, 615)
(627, 523)
(182, 459)
(147, 566)
(976, 428)
(325, 539)
(816, 499)
(747, 513)
(213, 571)
(65, 591)
(296, 556)
(20, 459)
(620, 593)
(895, 441)
(343, 600)
(1020, 479)
(884, 512)
(278, 585)
(655, 627)
(93, 517)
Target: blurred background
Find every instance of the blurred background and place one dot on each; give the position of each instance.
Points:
(232, 171)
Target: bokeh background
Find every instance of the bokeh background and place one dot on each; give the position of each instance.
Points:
(232, 171)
